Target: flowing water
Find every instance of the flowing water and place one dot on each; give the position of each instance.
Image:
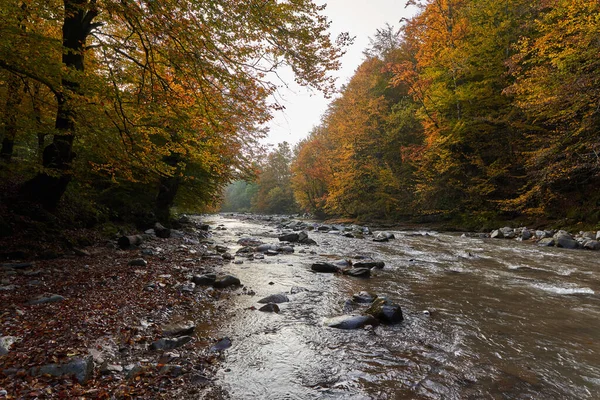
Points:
(484, 319)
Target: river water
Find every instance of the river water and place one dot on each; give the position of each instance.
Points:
(484, 319)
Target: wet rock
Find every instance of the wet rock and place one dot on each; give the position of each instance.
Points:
(369, 264)
(81, 368)
(220, 249)
(269, 307)
(138, 262)
(351, 321)
(546, 242)
(161, 231)
(271, 252)
(226, 281)
(497, 234)
(297, 289)
(263, 248)
(204, 280)
(358, 272)
(170, 344)
(325, 267)
(526, 234)
(249, 241)
(588, 235)
(364, 298)
(289, 237)
(221, 345)
(382, 236)
(508, 232)
(275, 298)
(227, 256)
(183, 328)
(386, 312)
(564, 239)
(591, 245)
(6, 343)
(286, 249)
(324, 228)
(53, 298)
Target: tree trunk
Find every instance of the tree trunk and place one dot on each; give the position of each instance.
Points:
(167, 190)
(13, 99)
(48, 188)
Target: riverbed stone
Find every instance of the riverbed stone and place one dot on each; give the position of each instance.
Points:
(221, 345)
(369, 264)
(249, 241)
(350, 321)
(81, 368)
(526, 234)
(566, 242)
(508, 232)
(170, 343)
(289, 237)
(497, 234)
(386, 312)
(138, 262)
(6, 343)
(270, 307)
(226, 281)
(325, 267)
(204, 280)
(364, 297)
(182, 328)
(53, 298)
(591, 245)
(546, 242)
(275, 298)
(358, 272)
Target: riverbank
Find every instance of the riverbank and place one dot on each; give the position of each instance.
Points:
(96, 321)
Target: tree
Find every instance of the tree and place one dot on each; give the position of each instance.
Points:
(274, 194)
(163, 85)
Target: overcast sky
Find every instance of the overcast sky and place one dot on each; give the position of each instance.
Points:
(361, 18)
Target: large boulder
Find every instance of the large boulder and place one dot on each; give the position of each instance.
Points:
(385, 312)
(128, 242)
(325, 267)
(508, 232)
(351, 321)
(161, 231)
(565, 240)
(591, 245)
(497, 234)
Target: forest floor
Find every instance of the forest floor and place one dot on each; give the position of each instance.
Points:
(92, 336)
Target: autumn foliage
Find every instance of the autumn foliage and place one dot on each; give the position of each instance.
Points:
(473, 109)
(133, 102)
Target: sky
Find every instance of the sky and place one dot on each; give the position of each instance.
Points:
(303, 108)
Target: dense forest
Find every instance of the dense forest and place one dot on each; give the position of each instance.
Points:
(125, 109)
(474, 110)
(471, 110)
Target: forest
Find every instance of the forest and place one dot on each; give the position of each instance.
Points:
(472, 112)
(125, 110)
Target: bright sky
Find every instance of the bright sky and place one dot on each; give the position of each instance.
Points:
(361, 18)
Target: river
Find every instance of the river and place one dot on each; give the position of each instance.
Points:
(484, 319)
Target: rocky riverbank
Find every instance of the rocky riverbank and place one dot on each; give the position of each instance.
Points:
(113, 320)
